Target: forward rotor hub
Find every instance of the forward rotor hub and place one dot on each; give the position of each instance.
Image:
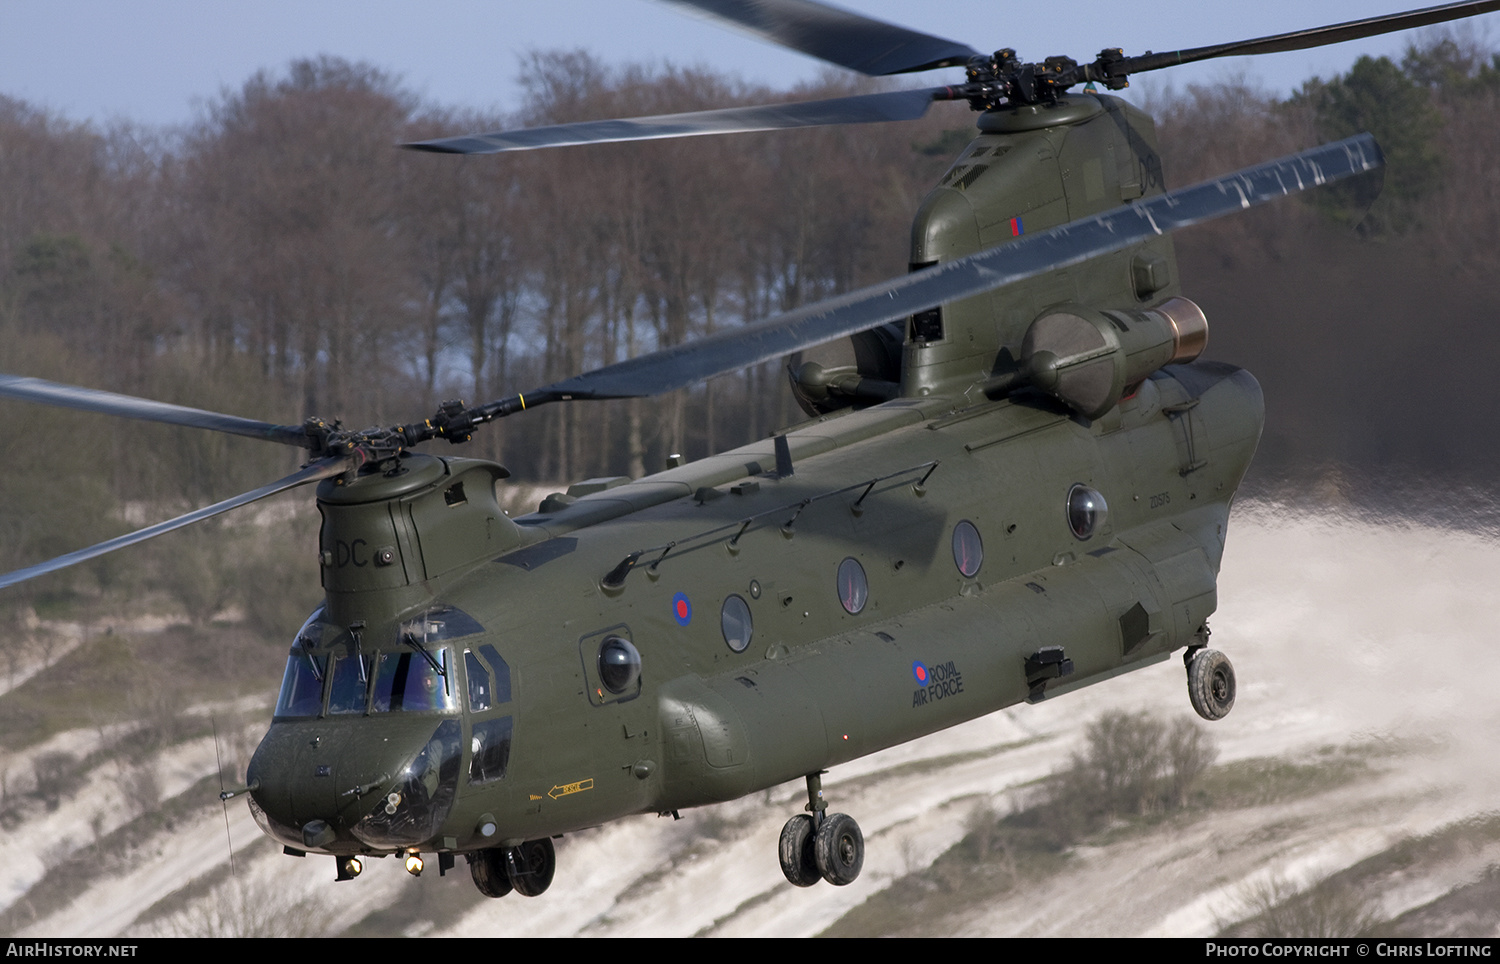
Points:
(1002, 80)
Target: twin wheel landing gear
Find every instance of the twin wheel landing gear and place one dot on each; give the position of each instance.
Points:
(1210, 679)
(527, 869)
(819, 845)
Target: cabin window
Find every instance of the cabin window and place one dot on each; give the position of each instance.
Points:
(1086, 511)
(968, 548)
(736, 623)
(854, 588)
(619, 664)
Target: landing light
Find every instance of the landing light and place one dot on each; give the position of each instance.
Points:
(350, 868)
(414, 864)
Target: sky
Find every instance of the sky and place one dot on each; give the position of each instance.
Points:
(159, 62)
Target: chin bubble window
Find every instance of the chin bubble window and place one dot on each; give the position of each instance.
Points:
(1086, 511)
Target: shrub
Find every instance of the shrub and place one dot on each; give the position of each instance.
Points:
(1131, 764)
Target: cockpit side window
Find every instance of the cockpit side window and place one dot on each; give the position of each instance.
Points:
(489, 749)
(306, 668)
(479, 683)
(502, 672)
(302, 686)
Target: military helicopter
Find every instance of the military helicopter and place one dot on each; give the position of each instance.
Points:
(1020, 488)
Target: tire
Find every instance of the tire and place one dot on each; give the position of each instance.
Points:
(1211, 684)
(796, 852)
(530, 866)
(839, 848)
(487, 867)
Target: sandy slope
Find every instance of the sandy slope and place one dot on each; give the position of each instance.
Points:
(1339, 632)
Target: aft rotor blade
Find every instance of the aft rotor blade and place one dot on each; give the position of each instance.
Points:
(896, 105)
(322, 469)
(1023, 258)
(1315, 37)
(127, 406)
(841, 37)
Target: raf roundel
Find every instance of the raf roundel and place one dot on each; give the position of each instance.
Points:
(682, 609)
(920, 672)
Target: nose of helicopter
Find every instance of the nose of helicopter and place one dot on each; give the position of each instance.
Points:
(297, 774)
(320, 782)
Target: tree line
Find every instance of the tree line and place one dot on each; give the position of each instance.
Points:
(283, 242)
(279, 258)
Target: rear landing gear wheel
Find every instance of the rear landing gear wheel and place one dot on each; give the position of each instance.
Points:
(796, 851)
(1211, 684)
(839, 848)
(530, 866)
(487, 867)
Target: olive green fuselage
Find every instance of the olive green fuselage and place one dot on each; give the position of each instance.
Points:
(956, 506)
(816, 686)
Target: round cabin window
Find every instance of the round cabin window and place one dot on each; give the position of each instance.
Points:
(735, 620)
(968, 548)
(854, 588)
(1086, 511)
(619, 664)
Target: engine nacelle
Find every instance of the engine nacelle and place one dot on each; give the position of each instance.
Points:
(1089, 359)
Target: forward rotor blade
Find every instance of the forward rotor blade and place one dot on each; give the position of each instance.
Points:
(1026, 257)
(1315, 37)
(896, 105)
(872, 47)
(127, 406)
(323, 469)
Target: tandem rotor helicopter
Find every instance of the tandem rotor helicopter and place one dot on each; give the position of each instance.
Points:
(1021, 488)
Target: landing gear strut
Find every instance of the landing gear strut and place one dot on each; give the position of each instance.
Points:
(527, 869)
(819, 845)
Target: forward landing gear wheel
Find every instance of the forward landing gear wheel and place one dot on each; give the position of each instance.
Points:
(1211, 684)
(839, 848)
(530, 866)
(796, 851)
(487, 867)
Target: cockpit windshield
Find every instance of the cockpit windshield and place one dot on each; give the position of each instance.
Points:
(337, 670)
(407, 681)
(347, 684)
